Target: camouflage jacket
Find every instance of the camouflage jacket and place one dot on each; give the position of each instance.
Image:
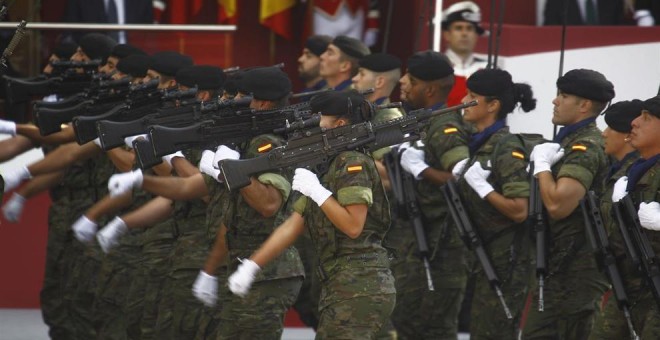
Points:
(384, 115)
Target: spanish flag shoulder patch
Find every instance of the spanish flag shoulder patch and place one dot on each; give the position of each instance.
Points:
(351, 169)
(450, 129)
(579, 147)
(518, 154)
(265, 148)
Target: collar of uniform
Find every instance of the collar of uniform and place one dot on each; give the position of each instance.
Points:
(638, 169)
(568, 129)
(343, 85)
(457, 61)
(380, 101)
(478, 139)
(318, 86)
(616, 166)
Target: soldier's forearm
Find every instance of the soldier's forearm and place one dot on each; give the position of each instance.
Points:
(265, 199)
(12, 147)
(436, 176)
(218, 253)
(155, 211)
(40, 184)
(109, 206)
(281, 238)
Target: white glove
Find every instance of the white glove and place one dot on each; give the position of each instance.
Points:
(207, 166)
(129, 140)
(458, 168)
(308, 184)
(84, 229)
(476, 177)
(108, 237)
(412, 160)
(619, 190)
(205, 289)
(649, 215)
(168, 158)
(97, 142)
(7, 127)
(545, 156)
(644, 18)
(224, 152)
(125, 182)
(15, 177)
(241, 280)
(13, 208)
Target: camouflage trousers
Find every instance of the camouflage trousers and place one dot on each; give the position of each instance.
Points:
(611, 323)
(420, 313)
(81, 288)
(572, 298)
(209, 323)
(156, 252)
(259, 315)
(181, 314)
(59, 254)
(307, 304)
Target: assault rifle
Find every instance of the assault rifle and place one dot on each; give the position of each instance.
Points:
(13, 43)
(402, 184)
(231, 128)
(626, 215)
(315, 148)
(110, 94)
(65, 81)
(142, 99)
(536, 218)
(472, 239)
(605, 257)
(112, 133)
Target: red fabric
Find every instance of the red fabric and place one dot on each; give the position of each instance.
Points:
(330, 7)
(280, 23)
(457, 92)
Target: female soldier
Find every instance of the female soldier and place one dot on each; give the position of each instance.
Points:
(495, 191)
(347, 214)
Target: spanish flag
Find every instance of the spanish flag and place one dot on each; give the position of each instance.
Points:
(227, 12)
(277, 16)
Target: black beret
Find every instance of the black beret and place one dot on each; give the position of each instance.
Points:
(587, 84)
(231, 83)
(490, 82)
(124, 50)
(135, 65)
(463, 11)
(336, 103)
(351, 46)
(620, 115)
(265, 83)
(205, 77)
(317, 44)
(380, 62)
(65, 50)
(429, 65)
(97, 46)
(652, 105)
(168, 63)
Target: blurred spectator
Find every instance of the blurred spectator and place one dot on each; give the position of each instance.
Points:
(109, 11)
(647, 12)
(584, 12)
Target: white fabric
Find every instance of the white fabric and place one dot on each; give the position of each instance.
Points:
(545, 156)
(224, 152)
(15, 177)
(649, 215)
(644, 18)
(205, 289)
(7, 127)
(13, 209)
(206, 164)
(125, 182)
(307, 183)
(619, 190)
(412, 161)
(108, 237)
(476, 177)
(458, 168)
(241, 280)
(128, 141)
(84, 229)
(168, 158)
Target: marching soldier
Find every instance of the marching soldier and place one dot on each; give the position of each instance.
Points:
(339, 62)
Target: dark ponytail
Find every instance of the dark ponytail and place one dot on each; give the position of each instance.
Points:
(523, 94)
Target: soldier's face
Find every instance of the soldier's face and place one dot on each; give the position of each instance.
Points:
(80, 55)
(110, 65)
(475, 113)
(412, 91)
(330, 61)
(566, 109)
(331, 122)
(48, 69)
(614, 141)
(364, 79)
(308, 65)
(461, 37)
(645, 134)
(151, 74)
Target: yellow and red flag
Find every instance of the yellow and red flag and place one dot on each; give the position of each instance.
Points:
(227, 12)
(277, 16)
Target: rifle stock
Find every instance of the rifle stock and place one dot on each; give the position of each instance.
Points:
(144, 153)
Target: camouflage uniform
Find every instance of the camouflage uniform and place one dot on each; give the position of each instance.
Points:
(81, 288)
(420, 313)
(505, 241)
(357, 293)
(56, 300)
(610, 323)
(259, 315)
(574, 285)
(180, 314)
(644, 310)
